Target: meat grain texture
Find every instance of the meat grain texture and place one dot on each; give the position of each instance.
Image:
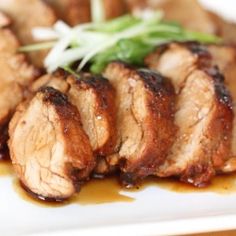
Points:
(50, 151)
(225, 58)
(16, 74)
(26, 15)
(204, 114)
(94, 97)
(145, 103)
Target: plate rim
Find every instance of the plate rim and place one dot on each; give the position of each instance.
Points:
(182, 226)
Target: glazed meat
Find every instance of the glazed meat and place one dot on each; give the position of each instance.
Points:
(179, 11)
(79, 11)
(72, 12)
(25, 15)
(50, 151)
(4, 20)
(145, 103)
(203, 113)
(226, 30)
(56, 80)
(94, 97)
(225, 58)
(16, 74)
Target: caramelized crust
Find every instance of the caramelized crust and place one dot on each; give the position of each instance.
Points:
(16, 74)
(203, 113)
(25, 15)
(94, 97)
(225, 58)
(145, 102)
(50, 152)
(71, 11)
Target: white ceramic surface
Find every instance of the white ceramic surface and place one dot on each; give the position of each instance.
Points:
(155, 211)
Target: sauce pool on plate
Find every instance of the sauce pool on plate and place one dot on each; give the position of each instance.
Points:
(108, 190)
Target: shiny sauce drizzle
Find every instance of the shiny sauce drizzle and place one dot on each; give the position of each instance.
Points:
(221, 184)
(98, 191)
(6, 168)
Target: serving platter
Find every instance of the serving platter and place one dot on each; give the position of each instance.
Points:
(154, 210)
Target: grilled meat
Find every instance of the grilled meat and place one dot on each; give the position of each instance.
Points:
(25, 15)
(225, 58)
(71, 11)
(226, 30)
(16, 74)
(94, 98)
(79, 11)
(145, 102)
(178, 11)
(56, 80)
(203, 113)
(50, 151)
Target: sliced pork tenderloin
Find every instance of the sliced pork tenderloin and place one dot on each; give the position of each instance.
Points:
(26, 15)
(203, 115)
(145, 103)
(50, 151)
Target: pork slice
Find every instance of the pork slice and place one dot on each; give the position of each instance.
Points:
(75, 12)
(225, 58)
(25, 15)
(203, 114)
(16, 74)
(94, 97)
(145, 103)
(72, 12)
(50, 151)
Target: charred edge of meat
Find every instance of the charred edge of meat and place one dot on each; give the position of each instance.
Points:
(4, 152)
(222, 92)
(155, 82)
(197, 174)
(194, 47)
(41, 197)
(53, 96)
(160, 102)
(105, 106)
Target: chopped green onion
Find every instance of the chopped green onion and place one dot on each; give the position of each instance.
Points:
(36, 47)
(127, 38)
(71, 71)
(98, 11)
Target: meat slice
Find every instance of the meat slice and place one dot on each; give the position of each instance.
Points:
(225, 29)
(145, 102)
(203, 113)
(225, 58)
(180, 11)
(56, 80)
(75, 12)
(25, 15)
(16, 74)
(4, 20)
(94, 98)
(50, 151)
(71, 11)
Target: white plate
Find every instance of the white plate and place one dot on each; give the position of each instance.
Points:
(155, 211)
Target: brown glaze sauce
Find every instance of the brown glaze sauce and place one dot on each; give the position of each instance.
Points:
(6, 168)
(222, 184)
(96, 191)
(99, 191)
